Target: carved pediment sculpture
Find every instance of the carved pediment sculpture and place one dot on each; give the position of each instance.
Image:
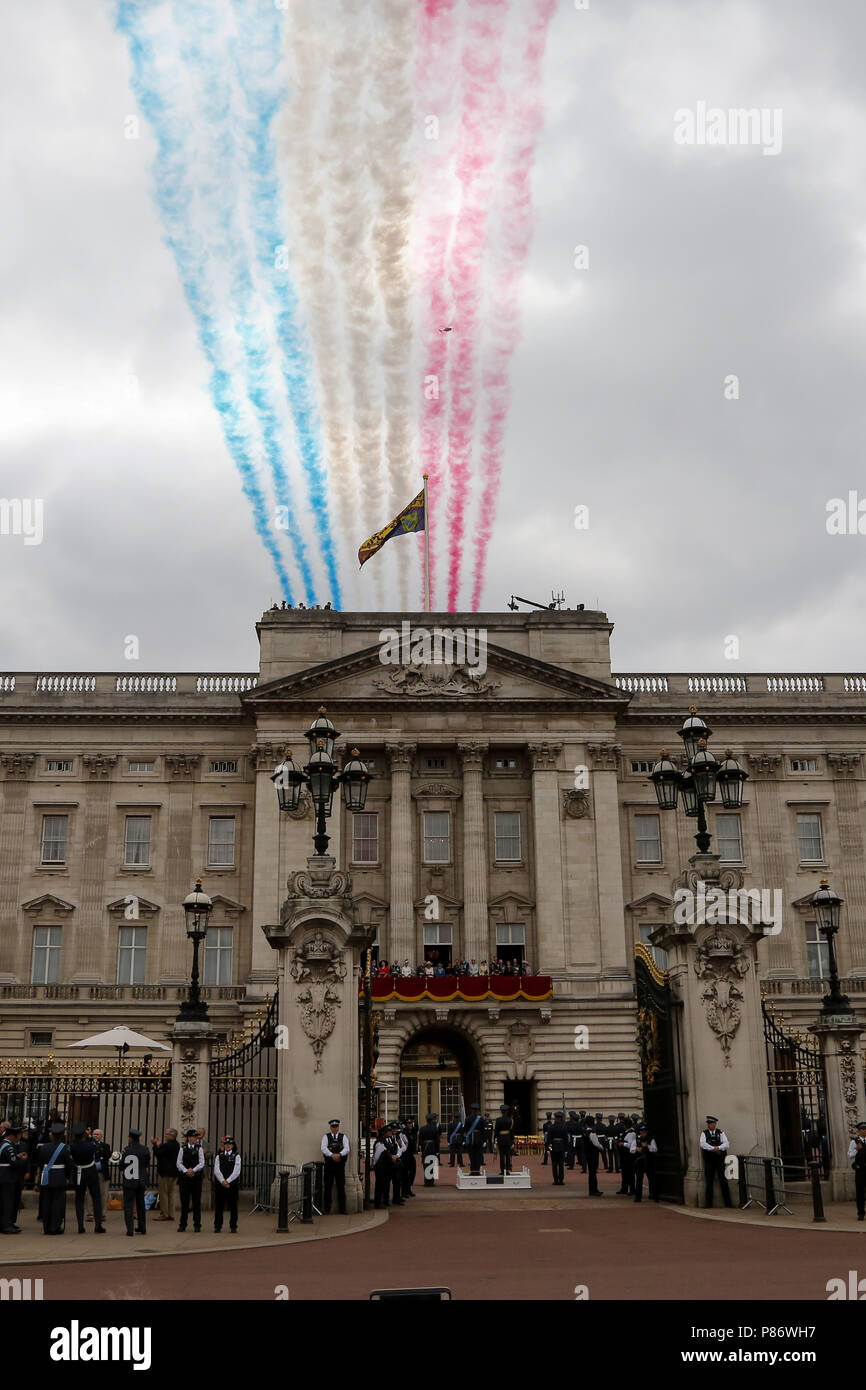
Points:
(319, 882)
(435, 680)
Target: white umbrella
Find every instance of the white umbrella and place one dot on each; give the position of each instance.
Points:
(121, 1037)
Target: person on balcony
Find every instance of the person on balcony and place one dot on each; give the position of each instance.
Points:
(405, 969)
(428, 969)
(483, 968)
(473, 966)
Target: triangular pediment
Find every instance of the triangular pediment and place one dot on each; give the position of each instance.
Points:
(649, 900)
(509, 677)
(444, 900)
(228, 905)
(142, 904)
(47, 902)
(510, 900)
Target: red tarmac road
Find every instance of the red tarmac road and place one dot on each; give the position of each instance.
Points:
(485, 1251)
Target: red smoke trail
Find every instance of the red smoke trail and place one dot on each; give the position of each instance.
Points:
(526, 117)
(482, 118)
(434, 84)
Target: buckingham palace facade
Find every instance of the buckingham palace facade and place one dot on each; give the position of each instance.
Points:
(509, 814)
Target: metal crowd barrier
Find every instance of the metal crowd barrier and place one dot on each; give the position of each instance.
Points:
(762, 1181)
(269, 1183)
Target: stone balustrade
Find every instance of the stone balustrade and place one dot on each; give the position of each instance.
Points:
(645, 688)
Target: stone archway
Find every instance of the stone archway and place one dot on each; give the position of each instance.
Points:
(438, 1067)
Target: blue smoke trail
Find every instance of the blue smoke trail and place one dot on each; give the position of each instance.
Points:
(174, 199)
(257, 64)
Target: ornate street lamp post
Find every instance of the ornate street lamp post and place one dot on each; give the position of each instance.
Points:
(196, 908)
(704, 776)
(828, 910)
(321, 776)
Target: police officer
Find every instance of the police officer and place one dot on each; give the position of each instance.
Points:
(383, 1155)
(559, 1139)
(504, 1136)
(625, 1133)
(13, 1161)
(397, 1143)
(227, 1184)
(134, 1163)
(335, 1151)
(190, 1170)
(82, 1151)
(545, 1130)
(574, 1127)
(473, 1139)
(714, 1144)
(857, 1155)
(593, 1154)
(429, 1136)
(55, 1163)
(410, 1161)
(603, 1133)
(645, 1150)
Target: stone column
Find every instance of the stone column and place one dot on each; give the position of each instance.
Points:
(780, 960)
(839, 1040)
(266, 867)
(401, 942)
(16, 767)
(714, 971)
(849, 790)
(319, 1045)
(476, 945)
(604, 762)
(551, 951)
(192, 1046)
(181, 869)
(92, 950)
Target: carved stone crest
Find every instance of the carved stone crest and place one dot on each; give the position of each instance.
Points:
(721, 963)
(318, 966)
(576, 804)
(435, 680)
(319, 956)
(518, 1042)
(319, 881)
(304, 808)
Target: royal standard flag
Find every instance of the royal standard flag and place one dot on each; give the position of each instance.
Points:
(412, 518)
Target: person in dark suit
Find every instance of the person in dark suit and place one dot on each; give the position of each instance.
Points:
(558, 1139)
(82, 1151)
(13, 1162)
(504, 1130)
(190, 1167)
(474, 1139)
(55, 1165)
(165, 1151)
(134, 1163)
(429, 1136)
(545, 1130)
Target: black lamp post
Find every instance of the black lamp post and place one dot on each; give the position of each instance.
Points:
(828, 910)
(196, 907)
(704, 775)
(321, 776)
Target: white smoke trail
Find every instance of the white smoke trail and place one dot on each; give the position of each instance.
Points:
(304, 160)
(392, 166)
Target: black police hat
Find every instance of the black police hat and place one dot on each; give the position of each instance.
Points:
(331, 1123)
(78, 1130)
(434, 1116)
(557, 1114)
(134, 1134)
(58, 1127)
(191, 1134)
(712, 1119)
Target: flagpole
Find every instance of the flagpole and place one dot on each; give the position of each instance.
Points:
(426, 549)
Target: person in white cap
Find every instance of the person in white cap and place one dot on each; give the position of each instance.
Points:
(715, 1145)
(335, 1150)
(226, 1184)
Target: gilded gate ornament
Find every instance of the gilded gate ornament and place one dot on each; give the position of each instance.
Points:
(648, 1044)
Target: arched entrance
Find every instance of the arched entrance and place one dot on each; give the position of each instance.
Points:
(439, 1067)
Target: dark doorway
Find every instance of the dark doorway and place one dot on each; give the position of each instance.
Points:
(518, 1094)
(438, 1067)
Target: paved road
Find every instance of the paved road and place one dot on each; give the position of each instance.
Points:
(616, 1249)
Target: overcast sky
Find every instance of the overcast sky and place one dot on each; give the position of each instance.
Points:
(707, 515)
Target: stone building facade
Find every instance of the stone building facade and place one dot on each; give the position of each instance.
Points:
(509, 813)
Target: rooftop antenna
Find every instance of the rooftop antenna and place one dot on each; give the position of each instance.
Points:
(558, 599)
(516, 598)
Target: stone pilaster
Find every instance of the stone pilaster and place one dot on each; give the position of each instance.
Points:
(849, 789)
(603, 759)
(401, 942)
(16, 767)
(843, 1072)
(781, 957)
(91, 946)
(266, 756)
(192, 1047)
(550, 916)
(181, 869)
(475, 925)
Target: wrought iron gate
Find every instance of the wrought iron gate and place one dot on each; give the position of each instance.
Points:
(795, 1075)
(658, 1041)
(243, 1092)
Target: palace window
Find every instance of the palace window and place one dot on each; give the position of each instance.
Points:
(136, 846)
(817, 952)
(55, 831)
(506, 826)
(438, 941)
(141, 765)
(729, 838)
(223, 764)
(511, 942)
(809, 838)
(59, 765)
(40, 1039)
(437, 837)
(505, 764)
(218, 950)
(131, 955)
(804, 764)
(659, 956)
(365, 837)
(647, 840)
(641, 765)
(221, 841)
(46, 956)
